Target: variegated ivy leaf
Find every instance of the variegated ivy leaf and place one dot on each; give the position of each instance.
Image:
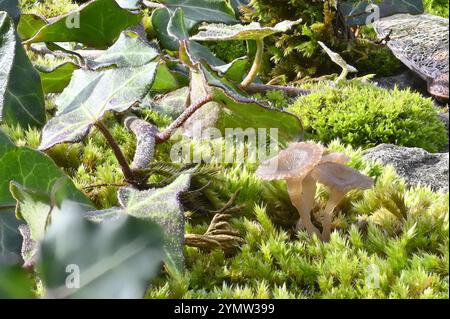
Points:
(172, 104)
(196, 11)
(252, 31)
(178, 29)
(130, 50)
(35, 172)
(21, 102)
(90, 95)
(160, 205)
(231, 108)
(115, 259)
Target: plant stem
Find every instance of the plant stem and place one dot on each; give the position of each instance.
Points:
(256, 64)
(151, 4)
(167, 133)
(4, 207)
(289, 90)
(127, 172)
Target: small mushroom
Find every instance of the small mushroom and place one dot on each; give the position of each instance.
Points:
(339, 158)
(340, 179)
(294, 165)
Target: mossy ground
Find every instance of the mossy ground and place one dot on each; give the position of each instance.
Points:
(403, 257)
(372, 253)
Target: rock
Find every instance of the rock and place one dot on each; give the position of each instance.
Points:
(403, 81)
(444, 118)
(414, 164)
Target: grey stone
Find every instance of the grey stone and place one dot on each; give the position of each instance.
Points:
(444, 118)
(414, 164)
(404, 80)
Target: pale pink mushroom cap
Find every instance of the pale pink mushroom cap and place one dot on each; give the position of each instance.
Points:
(294, 162)
(340, 177)
(339, 158)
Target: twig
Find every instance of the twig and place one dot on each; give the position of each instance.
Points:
(289, 90)
(167, 133)
(103, 185)
(4, 207)
(127, 172)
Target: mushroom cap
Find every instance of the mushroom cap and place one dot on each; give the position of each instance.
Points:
(340, 177)
(296, 161)
(339, 158)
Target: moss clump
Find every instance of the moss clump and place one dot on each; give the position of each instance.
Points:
(228, 50)
(297, 54)
(47, 8)
(365, 115)
(436, 7)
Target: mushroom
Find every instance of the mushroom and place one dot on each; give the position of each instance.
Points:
(340, 179)
(339, 158)
(294, 165)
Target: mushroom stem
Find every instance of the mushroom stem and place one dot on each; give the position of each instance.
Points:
(256, 64)
(328, 213)
(294, 187)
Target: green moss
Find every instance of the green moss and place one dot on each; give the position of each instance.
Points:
(362, 260)
(47, 8)
(436, 7)
(228, 50)
(364, 115)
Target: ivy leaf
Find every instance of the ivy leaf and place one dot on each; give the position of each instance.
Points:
(11, 7)
(172, 104)
(203, 10)
(233, 109)
(177, 29)
(90, 95)
(114, 259)
(21, 102)
(195, 11)
(165, 80)
(55, 79)
(130, 50)
(97, 24)
(29, 25)
(160, 205)
(34, 170)
(35, 206)
(15, 283)
(252, 31)
(129, 4)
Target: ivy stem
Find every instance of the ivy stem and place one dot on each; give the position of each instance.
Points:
(288, 90)
(127, 172)
(257, 62)
(4, 207)
(187, 113)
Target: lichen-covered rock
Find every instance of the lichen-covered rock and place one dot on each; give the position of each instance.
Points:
(414, 164)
